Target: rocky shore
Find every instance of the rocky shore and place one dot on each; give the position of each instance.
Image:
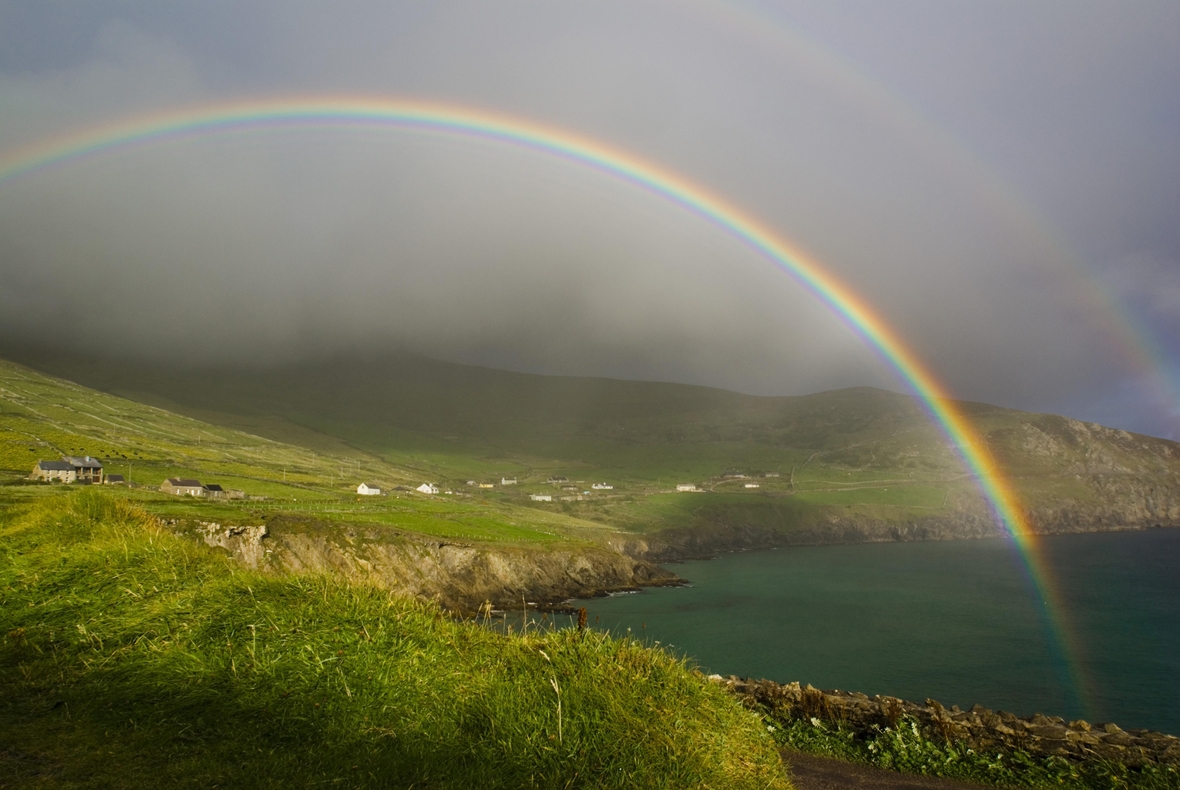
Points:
(978, 728)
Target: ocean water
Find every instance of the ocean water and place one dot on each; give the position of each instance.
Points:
(957, 621)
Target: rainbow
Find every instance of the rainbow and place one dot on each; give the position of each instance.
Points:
(438, 118)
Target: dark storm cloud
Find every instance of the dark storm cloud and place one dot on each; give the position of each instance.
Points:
(273, 246)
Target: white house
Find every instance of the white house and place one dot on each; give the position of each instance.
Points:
(541, 497)
(601, 487)
(752, 485)
(507, 481)
(687, 487)
(364, 489)
(427, 488)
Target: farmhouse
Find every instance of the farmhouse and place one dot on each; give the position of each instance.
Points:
(507, 481)
(70, 469)
(541, 497)
(558, 479)
(752, 485)
(428, 488)
(687, 487)
(601, 487)
(364, 489)
(182, 486)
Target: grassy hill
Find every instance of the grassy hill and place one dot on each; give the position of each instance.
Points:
(831, 461)
(130, 657)
(43, 417)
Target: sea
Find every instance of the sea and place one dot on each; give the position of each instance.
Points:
(955, 621)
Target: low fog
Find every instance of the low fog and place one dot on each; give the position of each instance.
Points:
(1000, 181)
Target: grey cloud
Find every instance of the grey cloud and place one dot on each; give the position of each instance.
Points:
(269, 246)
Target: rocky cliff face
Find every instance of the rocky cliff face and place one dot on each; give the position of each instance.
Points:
(460, 577)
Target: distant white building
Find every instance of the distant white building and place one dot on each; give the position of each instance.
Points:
(364, 489)
(507, 481)
(771, 474)
(541, 497)
(470, 482)
(752, 485)
(687, 487)
(487, 485)
(427, 488)
(601, 487)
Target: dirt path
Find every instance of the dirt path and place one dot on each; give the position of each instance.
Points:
(809, 772)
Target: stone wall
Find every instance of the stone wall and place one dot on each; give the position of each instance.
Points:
(980, 728)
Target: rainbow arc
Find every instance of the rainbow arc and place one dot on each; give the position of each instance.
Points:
(449, 119)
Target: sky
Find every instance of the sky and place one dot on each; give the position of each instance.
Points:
(1000, 180)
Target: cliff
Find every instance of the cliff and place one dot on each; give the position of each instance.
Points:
(459, 576)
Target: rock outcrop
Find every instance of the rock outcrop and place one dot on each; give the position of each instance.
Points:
(979, 728)
(459, 576)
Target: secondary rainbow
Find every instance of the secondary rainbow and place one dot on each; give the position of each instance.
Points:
(466, 122)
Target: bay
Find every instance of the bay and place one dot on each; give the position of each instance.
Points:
(957, 621)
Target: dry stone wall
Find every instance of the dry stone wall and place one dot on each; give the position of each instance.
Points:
(980, 728)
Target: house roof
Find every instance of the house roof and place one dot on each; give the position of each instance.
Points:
(115, 478)
(213, 487)
(183, 482)
(55, 466)
(84, 461)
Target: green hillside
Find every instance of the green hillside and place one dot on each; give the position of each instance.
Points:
(858, 456)
(42, 417)
(132, 658)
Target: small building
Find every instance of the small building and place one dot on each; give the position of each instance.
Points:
(364, 489)
(114, 480)
(507, 481)
(752, 485)
(687, 487)
(487, 485)
(771, 474)
(70, 469)
(558, 479)
(182, 486)
(427, 488)
(541, 497)
(470, 482)
(601, 487)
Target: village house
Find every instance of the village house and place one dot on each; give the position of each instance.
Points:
(182, 486)
(687, 487)
(601, 487)
(487, 485)
(541, 497)
(428, 488)
(752, 485)
(558, 479)
(507, 481)
(364, 489)
(70, 469)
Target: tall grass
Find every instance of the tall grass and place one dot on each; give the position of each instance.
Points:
(133, 658)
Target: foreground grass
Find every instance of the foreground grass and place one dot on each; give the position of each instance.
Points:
(133, 658)
(907, 748)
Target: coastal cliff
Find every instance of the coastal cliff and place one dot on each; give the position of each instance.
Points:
(459, 576)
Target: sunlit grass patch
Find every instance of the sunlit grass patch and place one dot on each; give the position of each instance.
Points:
(133, 658)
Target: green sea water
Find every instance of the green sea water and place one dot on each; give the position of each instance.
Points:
(957, 621)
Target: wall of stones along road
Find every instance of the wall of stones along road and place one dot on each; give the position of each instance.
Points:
(979, 728)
